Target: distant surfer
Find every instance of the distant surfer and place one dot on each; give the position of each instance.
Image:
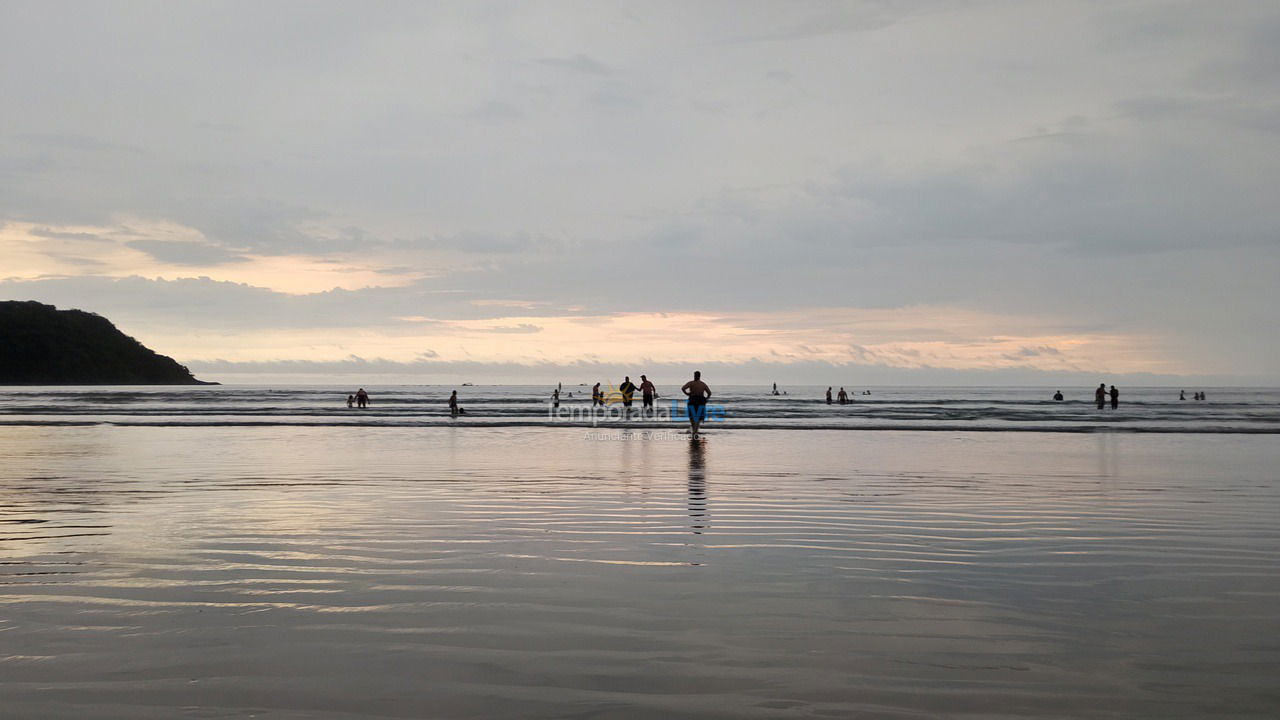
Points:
(697, 392)
(362, 398)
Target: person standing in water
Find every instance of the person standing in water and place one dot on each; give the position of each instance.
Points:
(362, 398)
(697, 392)
(842, 397)
(1058, 396)
(828, 396)
(454, 410)
(1182, 394)
(1115, 397)
(596, 397)
(647, 393)
(1100, 395)
(627, 388)
(351, 401)
(555, 397)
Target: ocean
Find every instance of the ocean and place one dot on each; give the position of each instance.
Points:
(229, 552)
(1230, 410)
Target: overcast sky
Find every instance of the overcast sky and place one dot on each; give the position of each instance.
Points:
(1034, 189)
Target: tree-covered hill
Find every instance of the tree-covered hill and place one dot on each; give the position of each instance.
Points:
(42, 345)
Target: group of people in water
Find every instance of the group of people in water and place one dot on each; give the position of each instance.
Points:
(696, 393)
(842, 397)
(1099, 396)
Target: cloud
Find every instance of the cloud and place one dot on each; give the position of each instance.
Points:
(519, 329)
(710, 160)
(578, 63)
(186, 253)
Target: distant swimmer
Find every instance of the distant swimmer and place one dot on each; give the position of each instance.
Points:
(1100, 395)
(596, 397)
(1058, 396)
(351, 401)
(1115, 397)
(362, 398)
(647, 392)
(697, 392)
(627, 388)
(828, 396)
(842, 396)
(454, 410)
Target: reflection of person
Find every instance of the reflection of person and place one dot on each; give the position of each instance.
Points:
(1058, 396)
(697, 489)
(362, 398)
(697, 392)
(647, 392)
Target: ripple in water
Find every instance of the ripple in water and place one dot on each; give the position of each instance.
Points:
(464, 572)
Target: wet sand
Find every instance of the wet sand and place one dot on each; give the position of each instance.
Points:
(332, 572)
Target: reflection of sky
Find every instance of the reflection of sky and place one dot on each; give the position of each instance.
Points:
(843, 570)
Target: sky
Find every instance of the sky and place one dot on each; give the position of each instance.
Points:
(798, 191)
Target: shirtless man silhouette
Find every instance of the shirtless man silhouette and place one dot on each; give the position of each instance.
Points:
(647, 392)
(697, 392)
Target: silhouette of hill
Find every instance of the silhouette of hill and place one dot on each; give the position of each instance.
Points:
(42, 345)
